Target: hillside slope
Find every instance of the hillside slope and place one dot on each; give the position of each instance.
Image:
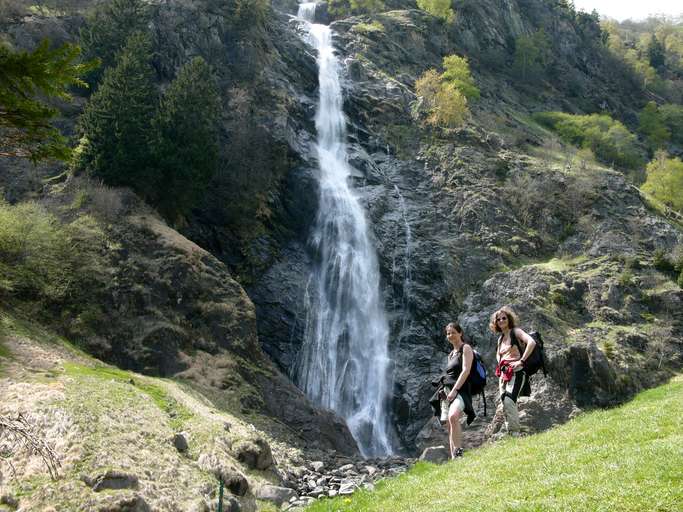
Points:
(627, 459)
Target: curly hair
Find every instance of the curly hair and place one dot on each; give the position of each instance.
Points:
(512, 319)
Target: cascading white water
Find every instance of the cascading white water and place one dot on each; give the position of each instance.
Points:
(344, 362)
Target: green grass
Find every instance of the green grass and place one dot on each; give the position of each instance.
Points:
(625, 459)
(178, 413)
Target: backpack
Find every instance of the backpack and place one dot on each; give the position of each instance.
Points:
(536, 360)
(476, 380)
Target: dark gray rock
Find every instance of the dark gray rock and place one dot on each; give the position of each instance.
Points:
(111, 480)
(435, 454)
(275, 494)
(180, 442)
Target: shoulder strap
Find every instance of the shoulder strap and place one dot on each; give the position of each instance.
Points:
(514, 340)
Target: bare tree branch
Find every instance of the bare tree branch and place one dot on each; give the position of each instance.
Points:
(16, 434)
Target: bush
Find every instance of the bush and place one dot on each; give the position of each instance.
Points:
(672, 115)
(439, 8)
(342, 8)
(651, 125)
(443, 98)
(664, 181)
(42, 259)
(608, 139)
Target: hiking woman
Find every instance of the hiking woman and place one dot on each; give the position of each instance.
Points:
(458, 398)
(514, 347)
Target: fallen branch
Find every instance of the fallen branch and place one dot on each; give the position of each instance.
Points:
(16, 434)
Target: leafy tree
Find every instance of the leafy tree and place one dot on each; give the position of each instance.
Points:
(186, 137)
(107, 30)
(116, 123)
(439, 8)
(651, 125)
(672, 115)
(665, 180)
(532, 54)
(442, 102)
(28, 80)
(457, 72)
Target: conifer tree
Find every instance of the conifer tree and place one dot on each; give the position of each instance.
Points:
(116, 124)
(186, 138)
(27, 81)
(107, 30)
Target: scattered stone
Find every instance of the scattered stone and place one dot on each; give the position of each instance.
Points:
(180, 442)
(111, 480)
(227, 426)
(370, 470)
(435, 454)
(317, 466)
(346, 468)
(331, 493)
(347, 488)
(277, 495)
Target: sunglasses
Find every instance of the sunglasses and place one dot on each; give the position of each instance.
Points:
(501, 318)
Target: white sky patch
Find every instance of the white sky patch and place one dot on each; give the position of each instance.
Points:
(633, 9)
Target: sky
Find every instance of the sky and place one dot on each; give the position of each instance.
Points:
(633, 9)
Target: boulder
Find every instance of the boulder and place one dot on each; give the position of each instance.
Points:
(435, 454)
(275, 494)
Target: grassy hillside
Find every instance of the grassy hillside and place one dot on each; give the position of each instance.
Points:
(628, 458)
(98, 419)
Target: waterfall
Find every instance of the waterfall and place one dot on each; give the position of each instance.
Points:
(344, 362)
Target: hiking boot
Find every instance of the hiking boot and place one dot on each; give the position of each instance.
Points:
(458, 452)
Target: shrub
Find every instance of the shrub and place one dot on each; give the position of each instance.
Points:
(608, 139)
(457, 73)
(367, 28)
(439, 8)
(651, 125)
(349, 7)
(42, 259)
(443, 98)
(665, 181)
(672, 115)
(661, 262)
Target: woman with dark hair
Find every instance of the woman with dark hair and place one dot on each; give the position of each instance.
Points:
(456, 394)
(514, 347)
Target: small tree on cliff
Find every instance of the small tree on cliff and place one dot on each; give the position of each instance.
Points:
(116, 124)
(186, 138)
(439, 8)
(443, 98)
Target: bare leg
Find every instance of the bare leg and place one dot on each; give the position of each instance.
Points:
(454, 430)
